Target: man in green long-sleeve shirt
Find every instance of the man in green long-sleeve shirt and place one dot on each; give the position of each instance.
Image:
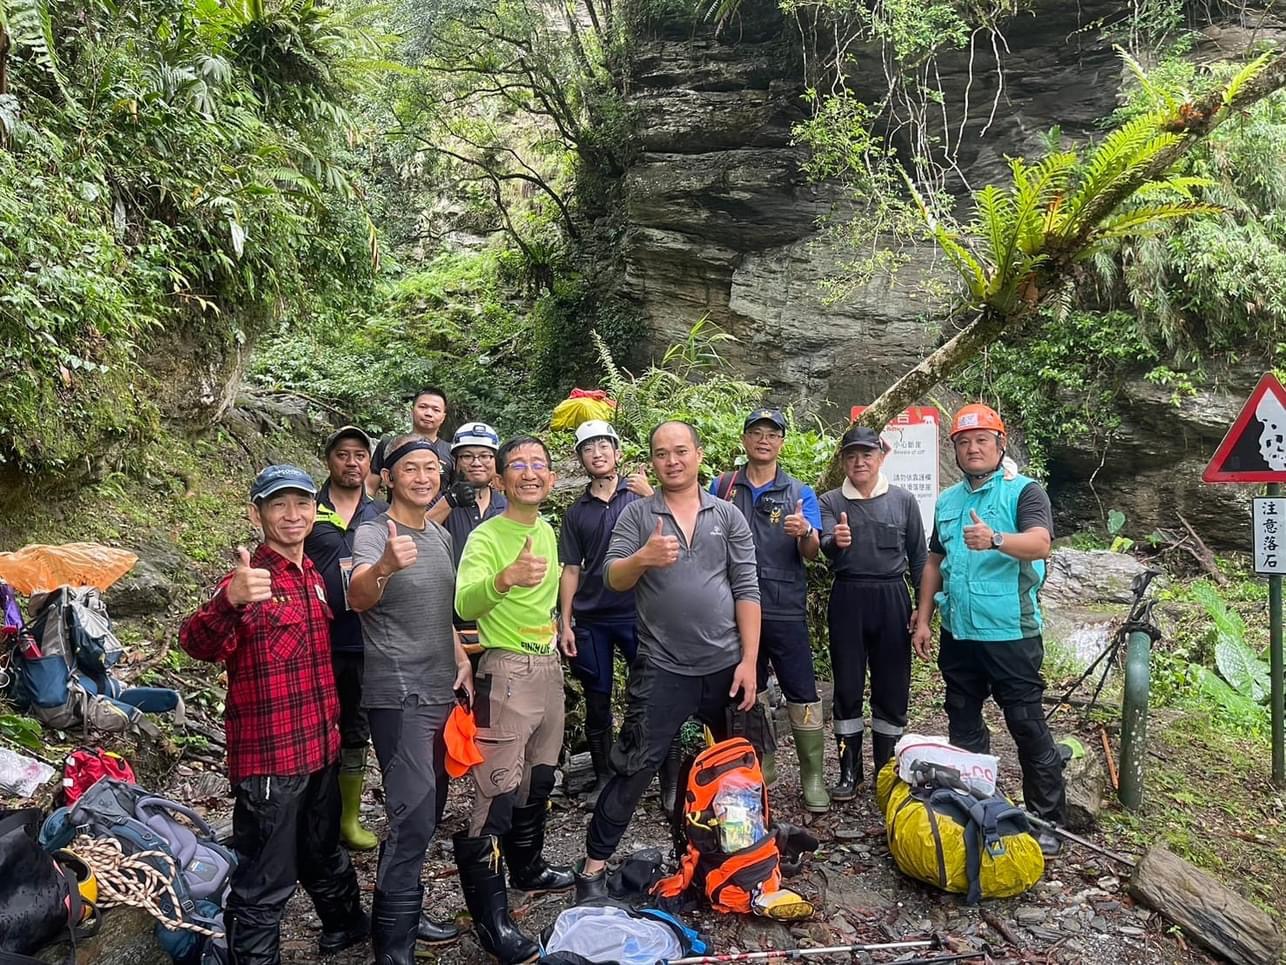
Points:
(508, 583)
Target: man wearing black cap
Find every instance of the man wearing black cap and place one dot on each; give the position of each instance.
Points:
(784, 518)
(268, 623)
(873, 536)
(342, 506)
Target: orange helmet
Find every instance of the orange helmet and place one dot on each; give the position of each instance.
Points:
(459, 734)
(976, 416)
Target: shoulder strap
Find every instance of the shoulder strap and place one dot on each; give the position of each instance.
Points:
(164, 804)
(727, 481)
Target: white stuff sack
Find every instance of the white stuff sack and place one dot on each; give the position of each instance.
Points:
(601, 933)
(978, 771)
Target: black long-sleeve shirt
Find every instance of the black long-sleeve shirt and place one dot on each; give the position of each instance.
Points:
(888, 535)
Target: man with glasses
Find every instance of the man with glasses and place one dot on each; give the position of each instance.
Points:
(596, 621)
(470, 500)
(784, 518)
(874, 538)
(508, 583)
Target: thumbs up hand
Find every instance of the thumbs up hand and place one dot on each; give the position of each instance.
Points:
(637, 482)
(843, 535)
(399, 552)
(249, 584)
(659, 550)
(527, 570)
(796, 524)
(977, 535)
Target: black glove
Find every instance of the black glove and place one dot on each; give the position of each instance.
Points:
(461, 494)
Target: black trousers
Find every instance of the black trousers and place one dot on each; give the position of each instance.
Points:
(868, 624)
(784, 644)
(659, 704)
(354, 730)
(286, 830)
(1009, 671)
(407, 740)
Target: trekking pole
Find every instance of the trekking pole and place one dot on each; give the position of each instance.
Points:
(787, 954)
(1077, 839)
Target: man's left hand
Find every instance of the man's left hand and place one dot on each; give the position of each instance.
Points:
(464, 679)
(978, 534)
(636, 482)
(744, 678)
(796, 524)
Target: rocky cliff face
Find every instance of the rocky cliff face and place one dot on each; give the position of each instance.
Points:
(723, 223)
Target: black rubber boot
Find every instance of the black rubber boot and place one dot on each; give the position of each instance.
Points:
(336, 940)
(482, 879)
(668, 777)
(600, 751)
(432, 932)
(395, 918)
(589, 887)
(528, 869)
(882, 749)
(250, 944)
(850, 767)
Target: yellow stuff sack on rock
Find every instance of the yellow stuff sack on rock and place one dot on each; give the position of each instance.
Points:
(943, 837)
(580, 407)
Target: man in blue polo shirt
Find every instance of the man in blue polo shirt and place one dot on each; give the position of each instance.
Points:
(596, 621)
(342, 506)
(785, 519)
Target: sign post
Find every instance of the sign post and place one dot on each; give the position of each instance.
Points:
(1254, 451)
(913, 461)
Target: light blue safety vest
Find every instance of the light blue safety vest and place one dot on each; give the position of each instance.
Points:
(986, 594)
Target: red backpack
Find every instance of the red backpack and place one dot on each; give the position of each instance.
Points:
(84, 767)
(726, 805)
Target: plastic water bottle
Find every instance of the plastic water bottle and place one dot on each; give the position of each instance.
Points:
(21, 775)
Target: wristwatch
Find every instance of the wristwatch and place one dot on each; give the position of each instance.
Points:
(997, 540)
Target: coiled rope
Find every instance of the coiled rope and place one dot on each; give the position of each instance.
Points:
(132, 880)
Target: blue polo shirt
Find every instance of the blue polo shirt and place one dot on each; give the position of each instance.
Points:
(330, 547)
(583, 541)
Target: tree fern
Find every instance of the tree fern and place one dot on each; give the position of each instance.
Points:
(30, 30)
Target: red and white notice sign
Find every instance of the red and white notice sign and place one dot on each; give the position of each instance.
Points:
(913, 462)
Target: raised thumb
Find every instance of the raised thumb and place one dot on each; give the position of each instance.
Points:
(799, 508)
(526, 546)
(243, 556)
(843, 519)
(660, 526)
(392, 529)
(973, 514)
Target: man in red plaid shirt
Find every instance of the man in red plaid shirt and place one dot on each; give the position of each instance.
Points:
(268, 623)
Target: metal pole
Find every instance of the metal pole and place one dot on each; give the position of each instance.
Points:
(797, 953)
(1275, 659)
(1134, 719)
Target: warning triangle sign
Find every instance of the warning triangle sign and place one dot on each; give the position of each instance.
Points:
(1254, 450)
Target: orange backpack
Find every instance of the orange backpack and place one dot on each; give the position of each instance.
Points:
(731, 881)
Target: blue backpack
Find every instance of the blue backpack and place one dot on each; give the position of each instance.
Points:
(143, 822)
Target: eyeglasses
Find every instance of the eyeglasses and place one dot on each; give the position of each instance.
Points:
(476, 457)
(598, 445)
(521, 467)
(762, 434)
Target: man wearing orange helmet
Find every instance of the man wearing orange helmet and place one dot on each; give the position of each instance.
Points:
(991, 536)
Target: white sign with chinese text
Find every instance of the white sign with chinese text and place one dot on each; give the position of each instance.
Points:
(913, 463)
(1270, 534)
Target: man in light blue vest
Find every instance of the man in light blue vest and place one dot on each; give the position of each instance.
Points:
(991, 536)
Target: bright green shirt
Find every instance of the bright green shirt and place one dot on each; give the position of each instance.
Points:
(521, 620)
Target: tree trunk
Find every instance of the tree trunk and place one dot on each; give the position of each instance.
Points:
(1194, 122)
(4, 61)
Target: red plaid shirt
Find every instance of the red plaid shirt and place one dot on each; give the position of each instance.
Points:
(282, 715)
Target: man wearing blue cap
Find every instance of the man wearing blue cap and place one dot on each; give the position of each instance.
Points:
(268, 622)
(784, 518)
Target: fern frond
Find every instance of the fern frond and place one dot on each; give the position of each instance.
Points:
(1181, 185)
(28, 25)
(1134, 222)
(995, 225)
(971, 270)
(1244, 76)
(1150, 90)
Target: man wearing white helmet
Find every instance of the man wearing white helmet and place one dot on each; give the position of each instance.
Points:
(596, 621)
(470, 499)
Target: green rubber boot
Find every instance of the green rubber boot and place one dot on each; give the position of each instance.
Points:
(768, 761)
(351, 777)
(810, 746)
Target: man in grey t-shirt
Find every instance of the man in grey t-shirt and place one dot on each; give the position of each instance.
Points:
(690, 558)
(404, 587)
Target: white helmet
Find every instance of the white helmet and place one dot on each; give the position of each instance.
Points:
(596, 429)
(475, 434)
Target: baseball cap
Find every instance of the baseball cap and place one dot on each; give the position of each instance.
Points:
(347, 432)
(475, 434)
(861, 436)
(276, 478)
(765, 415)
